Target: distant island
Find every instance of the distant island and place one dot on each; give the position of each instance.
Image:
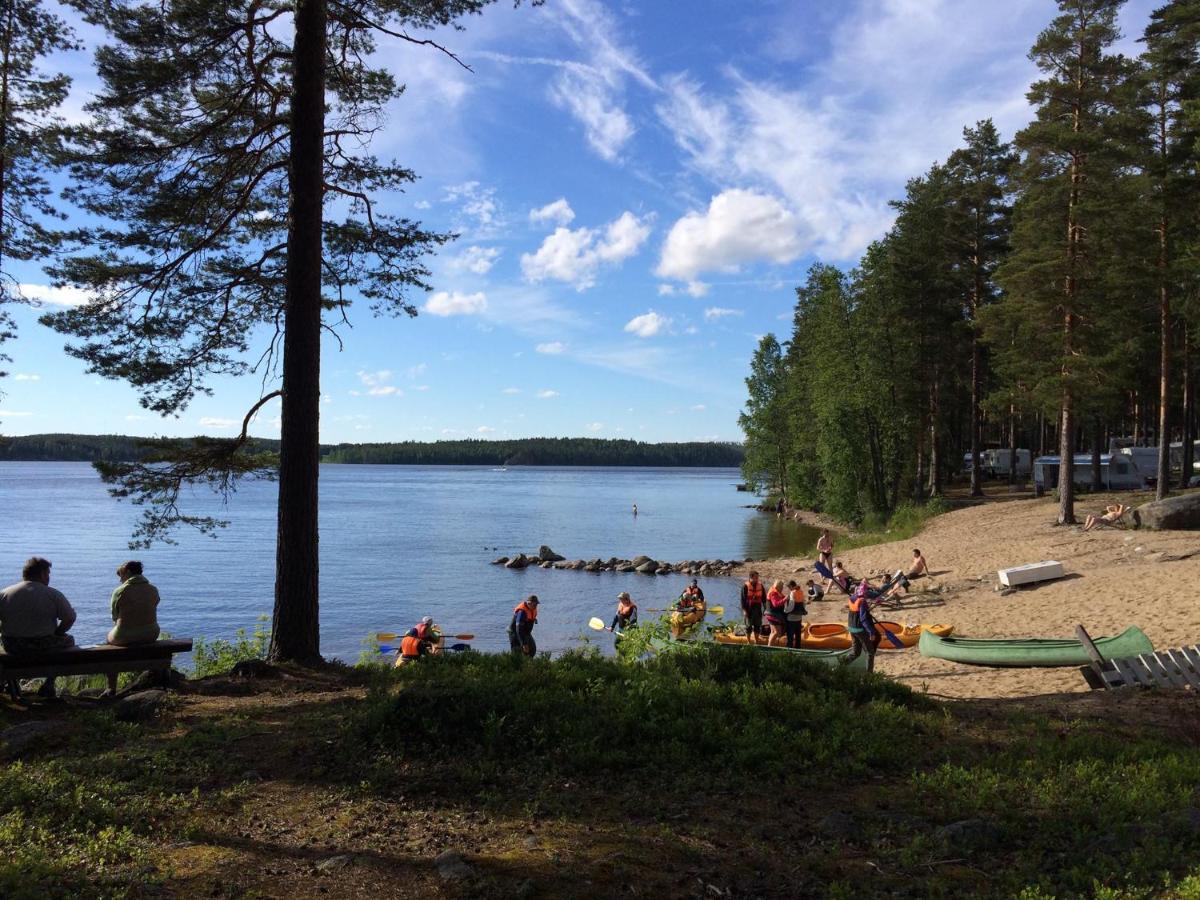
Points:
(523, 452)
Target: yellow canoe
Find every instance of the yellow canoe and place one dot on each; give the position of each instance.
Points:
(833, 636)
(681, 622)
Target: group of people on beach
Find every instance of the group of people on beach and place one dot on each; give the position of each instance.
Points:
(35, 618)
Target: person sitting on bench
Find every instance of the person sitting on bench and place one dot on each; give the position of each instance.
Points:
(35, 617)
(1113, 513)
(134, 608)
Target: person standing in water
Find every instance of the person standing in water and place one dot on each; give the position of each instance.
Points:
(626, 616)
(520, 628)
(635, 510)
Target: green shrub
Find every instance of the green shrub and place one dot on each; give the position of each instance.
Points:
(219, 656)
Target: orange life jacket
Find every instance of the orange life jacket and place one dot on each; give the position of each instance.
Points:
(625, 611)
(530, 611)
(424, 632)
(410, 646)
(755, 592)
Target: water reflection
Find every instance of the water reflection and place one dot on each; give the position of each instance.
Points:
(771, 535)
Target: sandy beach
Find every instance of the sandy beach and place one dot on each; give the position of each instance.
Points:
(1115, 578)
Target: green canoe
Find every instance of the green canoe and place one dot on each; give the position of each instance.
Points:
(1030, 652)
(828, 657)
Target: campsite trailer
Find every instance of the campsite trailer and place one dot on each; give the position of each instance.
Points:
(1118, 472)
(998, 462)
(1146, 459)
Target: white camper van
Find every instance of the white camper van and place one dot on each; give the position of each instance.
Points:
(998, 462)
(1118, 472)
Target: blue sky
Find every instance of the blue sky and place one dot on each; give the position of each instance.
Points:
(639, 187)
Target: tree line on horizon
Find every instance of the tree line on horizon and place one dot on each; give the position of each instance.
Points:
(1040, 294)
(116, 449)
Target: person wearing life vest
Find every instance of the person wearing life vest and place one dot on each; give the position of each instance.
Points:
(520, 629)
(418, 641)
(754, 595)
(861, 624)
(626, 616)
(776, 614)
(690, 597)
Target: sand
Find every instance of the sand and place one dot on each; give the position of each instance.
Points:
(1115, 578)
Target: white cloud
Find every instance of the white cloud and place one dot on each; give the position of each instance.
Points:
(595, 426)
(444, 304)
(418, 370)
(25, 376)
(478, 260)
(511, 390)
(13, 414)
(738, 227)
(559, 212)
(478, 210)
(422, 204)
(421, 387)
(551, 348)
(605, 124)
(385, 390)
(546, 394)
(214, 422)
(132, 418)
(699, 407)
(575, 255)
(55, 296)
(647, 324)
(666, 290)
(484, 429)
(720, 312)
(697, 289)
(377, 385)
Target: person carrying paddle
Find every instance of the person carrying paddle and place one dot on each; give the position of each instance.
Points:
(754, 595)
(520, 629)
(861, 625)
(417, 641)
(626, 616)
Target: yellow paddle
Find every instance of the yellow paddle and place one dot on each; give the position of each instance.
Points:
(383, 636)
(596, 624)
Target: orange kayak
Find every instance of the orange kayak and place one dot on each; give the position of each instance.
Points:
(832, 636)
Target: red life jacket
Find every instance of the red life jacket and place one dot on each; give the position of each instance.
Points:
(530, 611)
(424, 632)
(410, 647)
(755, 593)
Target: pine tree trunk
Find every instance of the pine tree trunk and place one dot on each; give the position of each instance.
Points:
(935, 462)
(1066, 467)
(976, 375)
(295, 633)
(1012, 447)
(1164, 379)
(5, 114)
(919, 486)
(1097, 445)
(1189, 419)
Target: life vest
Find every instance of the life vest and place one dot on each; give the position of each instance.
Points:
(424, 632)
(410, 647)
(776, 601)
(796, 598)
(692, 590)
(687, 600)
(530, 615)
(755, 593)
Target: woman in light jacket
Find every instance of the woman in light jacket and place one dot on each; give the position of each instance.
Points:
(134, 608)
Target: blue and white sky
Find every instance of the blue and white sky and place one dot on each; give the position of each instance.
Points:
(639, 187)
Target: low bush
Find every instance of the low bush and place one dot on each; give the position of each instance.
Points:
(217, 657)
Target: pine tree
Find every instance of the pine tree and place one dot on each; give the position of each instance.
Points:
(981, 220)
(1170, 83)
(227, 168)
(765, 421)
(1051, 275)
(29, 138)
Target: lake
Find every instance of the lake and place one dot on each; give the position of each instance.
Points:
(397, 543)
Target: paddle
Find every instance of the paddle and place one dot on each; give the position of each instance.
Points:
(392, 635)
(715, 610)
(596, 624)
(824, 572)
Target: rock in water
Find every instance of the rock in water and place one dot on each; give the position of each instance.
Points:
(139, 707)
(545, 554)
(499, 560)
(520, 561)
(1175, 514)
(649, 567)
(640, 560)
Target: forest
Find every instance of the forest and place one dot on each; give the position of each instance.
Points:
(115, 448)
(1039, 293)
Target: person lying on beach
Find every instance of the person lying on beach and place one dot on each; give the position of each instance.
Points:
(1113, 513)
(841, 576)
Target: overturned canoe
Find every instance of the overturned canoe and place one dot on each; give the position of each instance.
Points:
(832, 636)
(1032, 652)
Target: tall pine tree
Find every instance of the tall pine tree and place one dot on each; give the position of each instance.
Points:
(226, 166)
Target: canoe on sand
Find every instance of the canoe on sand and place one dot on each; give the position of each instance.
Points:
(833, 636)
(1033, 652)
(826, 657)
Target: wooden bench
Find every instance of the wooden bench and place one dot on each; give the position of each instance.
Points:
(1175, 668)
(104, 659)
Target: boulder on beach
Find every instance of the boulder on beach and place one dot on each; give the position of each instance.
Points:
(1172, 514)
(545, 554)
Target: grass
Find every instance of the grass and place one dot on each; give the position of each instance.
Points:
(905, 522)
(595, 776)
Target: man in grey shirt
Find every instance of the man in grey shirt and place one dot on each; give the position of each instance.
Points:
(34, 616)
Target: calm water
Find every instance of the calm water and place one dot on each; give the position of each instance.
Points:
(399, 542)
